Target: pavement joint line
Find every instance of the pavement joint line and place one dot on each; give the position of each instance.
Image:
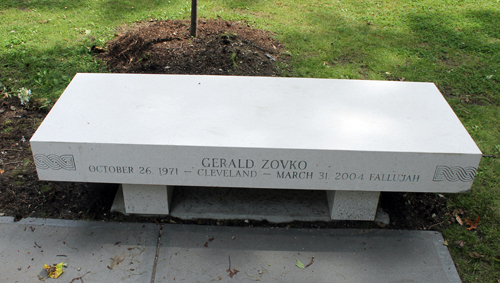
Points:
(156, 255)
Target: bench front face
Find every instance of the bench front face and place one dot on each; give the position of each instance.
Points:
(255, 132)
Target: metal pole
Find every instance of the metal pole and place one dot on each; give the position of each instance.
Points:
(194, 17)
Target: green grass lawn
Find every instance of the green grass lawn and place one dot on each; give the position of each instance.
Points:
(455, 44)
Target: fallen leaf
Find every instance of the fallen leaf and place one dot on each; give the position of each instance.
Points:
(97, 49)
(233, 272)
(459, 220)
(476, 255)
(211, 239)
(54, 271)
(446, 243)
(473, 225)
(312, 261)
(299, 264)
(206, 245)
(1, 171)
(115, 261)
(459, 244)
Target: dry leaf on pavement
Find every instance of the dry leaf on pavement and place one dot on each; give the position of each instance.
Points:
(232, 272)
(312, 261)
(115, 261)
(299, 264)
(55, 270)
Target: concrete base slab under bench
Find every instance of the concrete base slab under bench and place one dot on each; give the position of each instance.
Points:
(273, 205)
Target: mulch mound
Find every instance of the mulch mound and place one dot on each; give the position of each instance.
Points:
(220, 48)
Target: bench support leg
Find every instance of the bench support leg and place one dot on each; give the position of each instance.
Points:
(350, 205)
(147, 199)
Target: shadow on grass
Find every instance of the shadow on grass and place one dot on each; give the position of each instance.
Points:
(240, 4)
(42, 4)
(438, 30)
(46, 72)
(469, 55)
(111, 9)
(117, 9)
(461, 61)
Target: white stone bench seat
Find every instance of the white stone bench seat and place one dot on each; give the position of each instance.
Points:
(351, 138)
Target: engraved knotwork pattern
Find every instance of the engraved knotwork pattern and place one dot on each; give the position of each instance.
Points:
(455, 173)
(55, 162)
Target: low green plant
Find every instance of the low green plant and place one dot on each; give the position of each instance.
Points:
(45, 189)
(7, 130)
(234, 59)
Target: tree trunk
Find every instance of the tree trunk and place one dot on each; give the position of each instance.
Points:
(194, 17)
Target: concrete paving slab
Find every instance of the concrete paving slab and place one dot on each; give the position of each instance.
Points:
(205, 254)
(99, 251)
(116, 252)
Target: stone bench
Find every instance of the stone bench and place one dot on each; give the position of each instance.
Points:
(351, 138)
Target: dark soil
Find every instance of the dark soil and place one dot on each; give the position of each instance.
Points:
(221, 48)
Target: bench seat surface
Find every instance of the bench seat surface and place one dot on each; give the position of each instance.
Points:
(255, 132)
